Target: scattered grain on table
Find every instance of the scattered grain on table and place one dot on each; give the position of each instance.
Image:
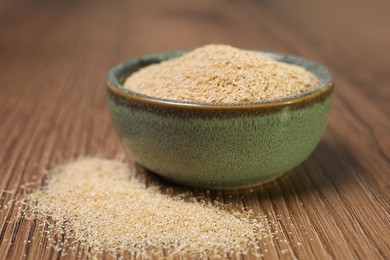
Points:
(102, 205)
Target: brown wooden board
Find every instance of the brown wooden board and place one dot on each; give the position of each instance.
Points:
(54, 56)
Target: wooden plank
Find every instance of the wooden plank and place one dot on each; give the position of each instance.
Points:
(54, 56)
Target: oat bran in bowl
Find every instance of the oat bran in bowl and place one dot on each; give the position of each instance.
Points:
(219, 117)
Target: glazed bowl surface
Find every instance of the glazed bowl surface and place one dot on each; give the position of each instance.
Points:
(219, 145)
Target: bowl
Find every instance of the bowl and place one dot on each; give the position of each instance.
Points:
(219, 145)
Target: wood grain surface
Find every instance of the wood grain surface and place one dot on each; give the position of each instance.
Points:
(54, 56)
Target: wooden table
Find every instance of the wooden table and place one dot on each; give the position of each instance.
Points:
(54, 56)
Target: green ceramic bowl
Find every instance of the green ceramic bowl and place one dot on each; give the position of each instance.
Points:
(219, 145)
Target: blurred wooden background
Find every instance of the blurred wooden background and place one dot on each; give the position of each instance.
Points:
(54, 56)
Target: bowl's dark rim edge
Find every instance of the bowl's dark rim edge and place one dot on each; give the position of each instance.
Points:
(308, 98)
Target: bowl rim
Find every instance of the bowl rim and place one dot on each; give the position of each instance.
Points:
(115, 87)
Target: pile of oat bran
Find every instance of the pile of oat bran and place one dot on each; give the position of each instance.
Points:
(100, 204)
(221, 73)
